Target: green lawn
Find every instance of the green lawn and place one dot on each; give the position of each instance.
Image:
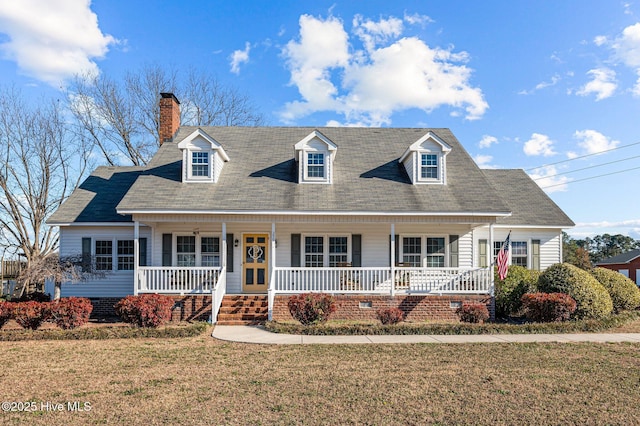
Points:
(200, 380)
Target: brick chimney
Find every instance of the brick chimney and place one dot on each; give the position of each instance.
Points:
(169, 117)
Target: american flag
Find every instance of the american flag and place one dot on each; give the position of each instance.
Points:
(503, 258)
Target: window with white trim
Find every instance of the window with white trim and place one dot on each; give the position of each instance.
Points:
(186, 250)
(496, 249)
(429, 166)
(338, 251)
(200, 164)
(519, 253)
(104, 255)
(313, 252)
(315, 165)
(412, 251)
(210, 251)
(436, 250)
(326, 250)
(125, 255)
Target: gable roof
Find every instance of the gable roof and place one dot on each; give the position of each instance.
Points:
(528, 203)
(263, 176)
(621, 258)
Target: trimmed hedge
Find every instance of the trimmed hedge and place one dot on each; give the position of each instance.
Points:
(311, 308)
(509, 292)
(145, 310)
(473, 312)
(624, 293)
(390, 315)
(6, 312)
(592, 298)
(548, 307)
(31, 315)
(70, 312)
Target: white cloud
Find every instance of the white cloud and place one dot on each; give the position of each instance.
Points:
(239, 57)
(542, 85)
(600, 40)
(546, 178)
(539, 145)
(487, 141)
(484, 161)
(592, 141)
(603, 84)
(627, 46)
(416, 18)
(369, 85)
(52, 40)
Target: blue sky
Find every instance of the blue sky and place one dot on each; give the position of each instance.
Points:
(521, 84)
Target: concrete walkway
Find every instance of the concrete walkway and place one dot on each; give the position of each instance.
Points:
(257, 334)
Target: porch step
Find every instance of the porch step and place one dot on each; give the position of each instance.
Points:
(243, 310)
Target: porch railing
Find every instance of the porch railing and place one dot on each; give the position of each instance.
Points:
(177, 279)
(217, 294)
(382, 280)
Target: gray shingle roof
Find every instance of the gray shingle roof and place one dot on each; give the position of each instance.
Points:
(621, 258)
(262, 175)
(528, 203)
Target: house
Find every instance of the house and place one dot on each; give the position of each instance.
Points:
(628, 264)
(378, 217)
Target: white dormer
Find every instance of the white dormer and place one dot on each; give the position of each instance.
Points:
(202, 157)
(315, 155)
(425, 160)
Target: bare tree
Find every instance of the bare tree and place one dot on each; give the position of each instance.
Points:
(122, 117)
(40, 164)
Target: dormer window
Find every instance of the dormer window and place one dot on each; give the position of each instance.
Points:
(202, 157)
(199, 164)
(315, 165)
(429, 166)
(315, 155)
(425, 160)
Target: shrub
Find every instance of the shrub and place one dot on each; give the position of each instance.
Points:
(390, 315)
(592, 298)
(31, 314)
(473, 312)
(548, 307)
(70, 312)
(625, 295)
(509, 292)
(6, 312)
(311, 308)
(145, 310)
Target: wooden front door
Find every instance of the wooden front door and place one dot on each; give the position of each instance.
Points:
(255, 270)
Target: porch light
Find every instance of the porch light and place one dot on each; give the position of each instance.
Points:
(236, 242)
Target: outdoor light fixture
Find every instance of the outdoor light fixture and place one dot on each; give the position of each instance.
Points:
(236, 242)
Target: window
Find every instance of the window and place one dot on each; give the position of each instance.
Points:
(338, 251)
(210, 251)
(125, 255)
(519, 253)
(429, 166)
(411, 251)
(104, 255)
(435, 252)
(315, 165)
(186, 250)
(313, 251)
(200, 164)
(496, 249)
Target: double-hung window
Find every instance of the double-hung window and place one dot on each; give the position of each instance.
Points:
(125, 255)
(326, 250)
(199, 164)
(411, 251)
(186, 250)
(104, 255)
(429, 166)
(210, 251)
(338, 251)
(519, 253)
(314, 251)
(435, 252)
(315, 165)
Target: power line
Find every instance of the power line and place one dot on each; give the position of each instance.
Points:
(583, 156)
(592, 177)
(587, 168)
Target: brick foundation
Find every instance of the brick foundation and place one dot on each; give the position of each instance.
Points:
(185, 308)
(416, 308)
(103, 307)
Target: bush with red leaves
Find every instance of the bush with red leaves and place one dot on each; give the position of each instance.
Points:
(70, 312)
(31, 314)
(390, 315)
(311, 308)
(145, 310)
(473, 312)
(6, 312)
(548, 307)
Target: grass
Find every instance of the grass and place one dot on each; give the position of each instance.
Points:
(375, 328)
(201, 380)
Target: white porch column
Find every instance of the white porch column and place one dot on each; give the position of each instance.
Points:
(392, 259)
(223, 246)
(136, 256)
(492, 285)
(271, 290)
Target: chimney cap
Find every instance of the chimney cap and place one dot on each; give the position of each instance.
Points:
(170, 95)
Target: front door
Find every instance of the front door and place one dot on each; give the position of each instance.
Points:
(255, 269)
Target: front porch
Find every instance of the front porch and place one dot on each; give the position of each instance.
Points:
(375, 282)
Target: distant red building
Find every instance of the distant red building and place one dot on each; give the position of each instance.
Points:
(628, 264)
